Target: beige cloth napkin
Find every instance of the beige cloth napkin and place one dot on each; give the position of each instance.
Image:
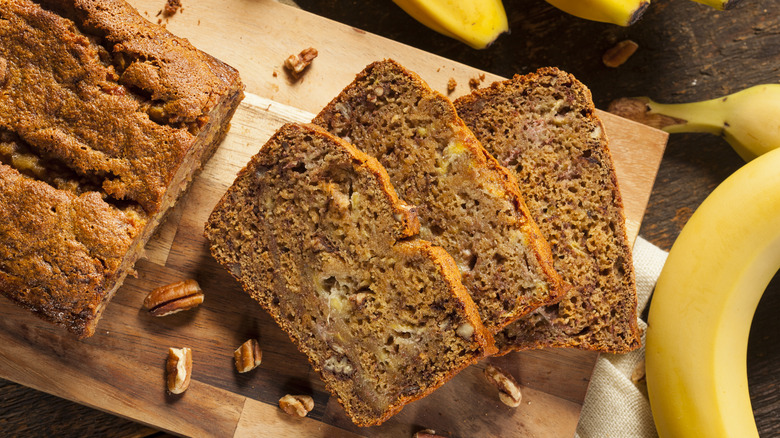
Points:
(615, 406)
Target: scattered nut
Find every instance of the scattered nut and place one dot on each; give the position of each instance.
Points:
(175, 297)
(296, 405)
(508, 389)
(179, 369)
(451, 84)
(616, 56)
(296, 64)
(427, 433)
(248, 356)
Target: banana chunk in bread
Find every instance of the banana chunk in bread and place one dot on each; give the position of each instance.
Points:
(104, 119)
(467, 202)
(314, 232)
(543, 127)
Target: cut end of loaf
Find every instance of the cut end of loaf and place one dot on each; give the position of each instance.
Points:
(467, 202)
(315, 233)
(543, 128)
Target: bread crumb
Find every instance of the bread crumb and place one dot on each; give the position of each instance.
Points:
(451, 84)
(617, 55)
(475, 82)
(170, 8)
(296, 64)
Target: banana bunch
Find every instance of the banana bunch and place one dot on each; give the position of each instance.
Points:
(703, 304)
(474, 22)
(748, 120)
(620, 12)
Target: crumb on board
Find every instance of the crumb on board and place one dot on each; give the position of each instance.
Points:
(170, 8)
(476, 81)
(296, 64)
(451, 84)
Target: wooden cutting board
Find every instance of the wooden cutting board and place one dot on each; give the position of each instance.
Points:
(121, 368)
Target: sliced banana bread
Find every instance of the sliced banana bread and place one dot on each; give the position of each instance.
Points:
(466, 201)
(544, 129)
(315, 233)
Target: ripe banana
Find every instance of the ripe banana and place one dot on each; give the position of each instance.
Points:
(704, 302)
(719, 4)
(474, 22)
(621, 12)
(749, 120)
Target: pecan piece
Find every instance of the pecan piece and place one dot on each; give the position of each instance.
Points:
(179, 369)
(427, 433)
(617, 55)
(248, 356)
(296, 64)
(296, 405)
(174, 297)
(508, 389)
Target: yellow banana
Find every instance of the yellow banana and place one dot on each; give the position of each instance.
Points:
(749, 120)
(621, 12)
(703, 305)
(719, 4)
(474, 22)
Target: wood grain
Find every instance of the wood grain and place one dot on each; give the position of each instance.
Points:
(120, 369)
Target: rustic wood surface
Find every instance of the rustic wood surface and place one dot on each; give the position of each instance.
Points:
(687, 52)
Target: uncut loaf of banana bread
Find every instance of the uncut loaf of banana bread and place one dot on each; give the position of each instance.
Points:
(467, 202)
(104, 118)
(314, 231)
(543, 127)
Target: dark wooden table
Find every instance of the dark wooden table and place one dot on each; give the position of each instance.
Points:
(687, 52)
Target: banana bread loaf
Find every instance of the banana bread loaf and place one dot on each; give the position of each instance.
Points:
(467, 202)
(315, 233)
(543, 128)
(104, 118)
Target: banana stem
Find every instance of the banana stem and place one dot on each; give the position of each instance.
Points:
(706, 116)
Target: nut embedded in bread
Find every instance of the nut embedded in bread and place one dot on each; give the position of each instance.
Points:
(104, 118)
(315, 233)
(543, 127)
(468, 204)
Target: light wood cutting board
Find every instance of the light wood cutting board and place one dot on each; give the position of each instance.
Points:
(121, 368)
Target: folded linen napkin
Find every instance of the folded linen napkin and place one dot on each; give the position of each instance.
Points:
(615, 406)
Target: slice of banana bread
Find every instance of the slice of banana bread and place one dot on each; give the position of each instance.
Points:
(544, 129)
(314, 231)
(104, 118)
(467, 202)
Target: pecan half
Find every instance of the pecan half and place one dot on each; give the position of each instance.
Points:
(296, 64)
(508, 389)
(248, 356)
(174, 297)
(296, 405)
(619, 54)
(178, 369)
(427, 433)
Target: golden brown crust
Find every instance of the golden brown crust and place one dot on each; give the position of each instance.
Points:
(470, 207)
(108, 116)
(543, 126)
(313, 230)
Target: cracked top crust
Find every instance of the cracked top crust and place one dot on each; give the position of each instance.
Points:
(103, 119)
